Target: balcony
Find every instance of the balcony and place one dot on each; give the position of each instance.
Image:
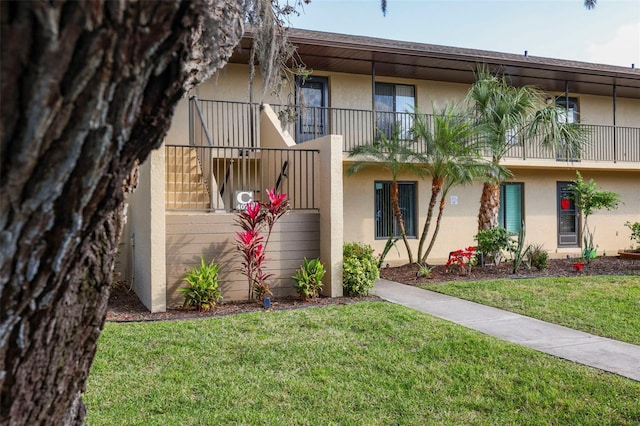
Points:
(236, 124)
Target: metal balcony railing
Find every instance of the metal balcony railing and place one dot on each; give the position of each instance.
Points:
(236, 124)
(214, 178)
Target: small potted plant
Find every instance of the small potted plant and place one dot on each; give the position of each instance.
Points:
(578, 266)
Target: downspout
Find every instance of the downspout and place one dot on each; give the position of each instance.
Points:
(133, 260)
(252, 141)
(192, 122)
(568, 150)
(373, 100)
(566, 101)
(615, 130)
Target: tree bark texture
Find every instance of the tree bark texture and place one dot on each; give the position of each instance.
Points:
(436, 187)
(489, 206)
(395, 204)
(443, 203)
(88, 90)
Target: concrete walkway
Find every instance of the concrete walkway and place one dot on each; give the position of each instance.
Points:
(599, 352)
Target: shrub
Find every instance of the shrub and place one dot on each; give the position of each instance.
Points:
(519, 251)
(635, 233)
(252, 244)
(462, 259)
(309, 278)
(538, 257)
(360, 270)
(491, 243)
(391, 241)
(425, 270)
(202, 286)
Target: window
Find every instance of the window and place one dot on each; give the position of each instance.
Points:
(385, 222)
(313, 100)
(570, 115)
(511, 211)
(571, 108)
(394, 104)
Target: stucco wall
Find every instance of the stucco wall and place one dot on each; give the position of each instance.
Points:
(354, 91)
(147, 223)
(459, 224)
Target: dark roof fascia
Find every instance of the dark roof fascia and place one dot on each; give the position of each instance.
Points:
(627, 79)
(379, 45)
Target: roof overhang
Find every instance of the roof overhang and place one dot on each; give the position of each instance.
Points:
(358, 55)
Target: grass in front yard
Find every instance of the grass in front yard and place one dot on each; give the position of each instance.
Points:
(607, 306)
(369, 363)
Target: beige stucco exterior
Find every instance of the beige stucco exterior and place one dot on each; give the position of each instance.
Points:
(459, 223)
(146, 245)
(346, 202)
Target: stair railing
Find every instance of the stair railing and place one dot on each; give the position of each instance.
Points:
(205, 162)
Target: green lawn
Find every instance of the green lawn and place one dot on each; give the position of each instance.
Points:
(363, 364)
(605, 306)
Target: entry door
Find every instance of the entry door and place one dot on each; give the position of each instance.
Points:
(568, 217)
(312, 100)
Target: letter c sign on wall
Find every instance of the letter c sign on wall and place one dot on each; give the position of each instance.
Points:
(243, 198)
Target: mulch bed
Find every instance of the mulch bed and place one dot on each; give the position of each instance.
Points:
(124, 305)
(609, 265)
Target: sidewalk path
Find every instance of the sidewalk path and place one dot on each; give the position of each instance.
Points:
(599, 352)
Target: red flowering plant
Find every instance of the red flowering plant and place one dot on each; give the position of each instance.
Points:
(252, 244)
(578, 266)
(463, 259)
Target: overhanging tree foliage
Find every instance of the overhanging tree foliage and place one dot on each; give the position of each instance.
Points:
(451, 157)
(506, 116)
(396, 155)
(88, 90)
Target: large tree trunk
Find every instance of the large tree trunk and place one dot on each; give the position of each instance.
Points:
(489, 206)
(88, 89)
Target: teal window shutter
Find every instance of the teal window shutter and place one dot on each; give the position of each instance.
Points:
(511, 214)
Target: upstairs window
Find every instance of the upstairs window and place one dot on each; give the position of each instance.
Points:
(394, 105)
(570, 105)
(570, 115)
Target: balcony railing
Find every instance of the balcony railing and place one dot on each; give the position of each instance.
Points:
(214, 178)
(237, 124)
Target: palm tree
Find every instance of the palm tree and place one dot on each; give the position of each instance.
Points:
(396, 155)
(452, 157)
(506, 115)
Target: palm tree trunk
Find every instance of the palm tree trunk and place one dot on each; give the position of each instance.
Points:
(436, 187)
(435, 231)
(395, 204)
(489, 206)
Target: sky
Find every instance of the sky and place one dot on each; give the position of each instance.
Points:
(562, 29)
